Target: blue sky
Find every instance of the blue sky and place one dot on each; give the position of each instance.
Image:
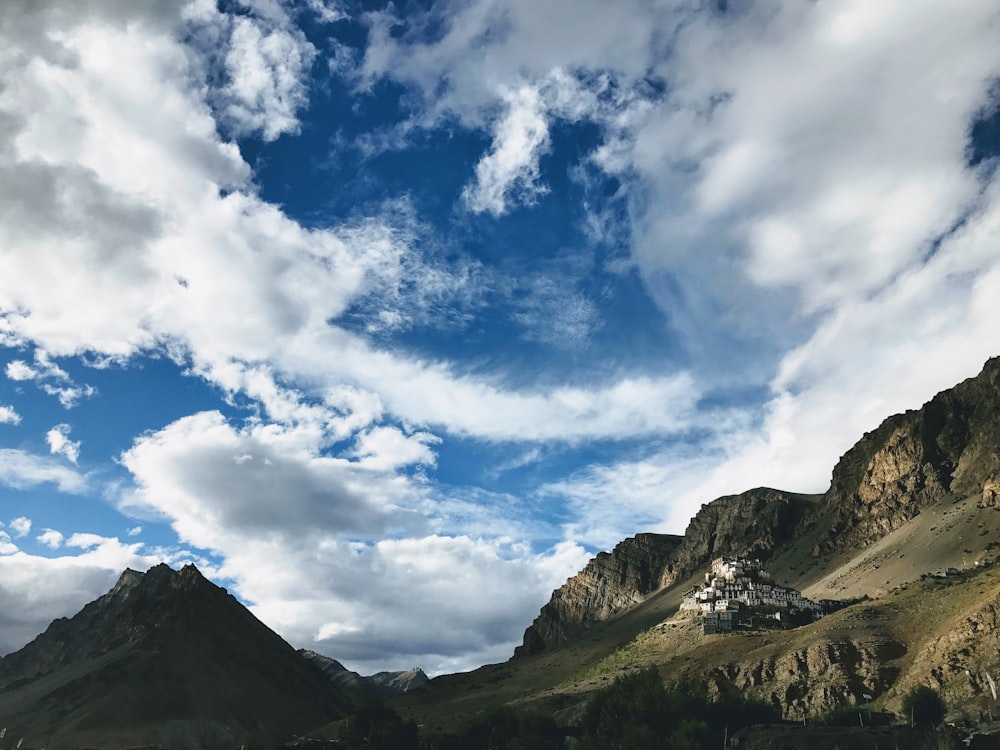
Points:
(389, 316)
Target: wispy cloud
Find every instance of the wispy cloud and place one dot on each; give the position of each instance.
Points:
(20, 470)
(50, 377)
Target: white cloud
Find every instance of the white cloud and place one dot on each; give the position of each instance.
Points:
(135, 531)
(51, 538)
(21, 526)
(288, 543)
(327, 11)
(17, 370)
(509, 172)
(187, 473)
(267, 68)
(61, 445)
(21, 470)
(51, 378)
(554, 313)
(389, 448)
(7, 547)
(8, 415)
(447, 603)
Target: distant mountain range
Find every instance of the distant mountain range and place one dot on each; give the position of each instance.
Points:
(907, 537)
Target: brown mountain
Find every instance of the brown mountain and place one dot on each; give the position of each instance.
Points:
(165, 659)
(907, 535)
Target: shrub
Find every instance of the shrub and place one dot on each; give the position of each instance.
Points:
(923, 707)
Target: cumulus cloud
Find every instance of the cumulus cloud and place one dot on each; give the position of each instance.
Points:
(51, 538)
(21, 526)
(61, 445)
(447, 603)
(8, 415)
(266, 70)
(190, 472)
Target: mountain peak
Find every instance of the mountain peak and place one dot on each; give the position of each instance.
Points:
(163, 650)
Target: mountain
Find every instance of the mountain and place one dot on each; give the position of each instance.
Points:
(400, 682)
(164, 659)
(377, 687)
(907, 537)
(752, 524)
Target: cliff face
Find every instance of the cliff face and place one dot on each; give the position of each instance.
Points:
(752, 524)
(950, 446)
(610, 583)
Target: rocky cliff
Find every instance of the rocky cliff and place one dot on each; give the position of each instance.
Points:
(753, 523)
(951, 446)
(610, 583)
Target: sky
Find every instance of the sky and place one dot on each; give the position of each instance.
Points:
(389, 316)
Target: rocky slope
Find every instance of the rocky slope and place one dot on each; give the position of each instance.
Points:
(610, 583)
(753, 523)
(949, 447)
(167, 659)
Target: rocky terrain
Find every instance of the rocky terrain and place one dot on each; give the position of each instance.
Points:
(168, 659)
(912, 460)
(611, 583)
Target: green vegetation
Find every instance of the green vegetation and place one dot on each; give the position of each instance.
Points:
(923, 707)
(636, 712)
(640, 711)
(507, 729)
(379, 727)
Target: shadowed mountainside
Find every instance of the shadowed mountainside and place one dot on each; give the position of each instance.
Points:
(377, 687)
(166, 659)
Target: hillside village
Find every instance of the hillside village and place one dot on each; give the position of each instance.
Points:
(738, 588)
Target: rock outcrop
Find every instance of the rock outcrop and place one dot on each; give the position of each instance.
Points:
(610, 583)
(949, 446)
(810, 681)
(752, 524)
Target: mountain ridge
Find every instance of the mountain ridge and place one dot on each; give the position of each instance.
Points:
(907, 530)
